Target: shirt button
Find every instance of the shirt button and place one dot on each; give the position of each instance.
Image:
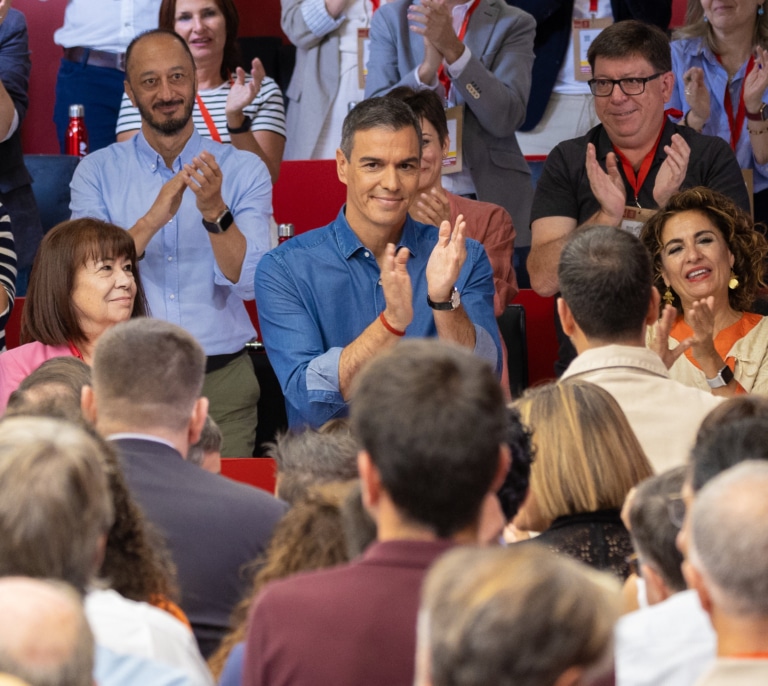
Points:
(367, 254)
(170, 259)
(172, 296)
(379, 282)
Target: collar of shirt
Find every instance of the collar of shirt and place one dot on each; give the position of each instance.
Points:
(458, 13)
(349, 243)
(154, 161)
(135, 436)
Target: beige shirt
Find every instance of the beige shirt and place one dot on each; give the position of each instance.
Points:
(664, 414)
(728, 671)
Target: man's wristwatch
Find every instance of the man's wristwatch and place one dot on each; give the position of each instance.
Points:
(220, 224)
(760, 115)
(723, 378)
(451, 304)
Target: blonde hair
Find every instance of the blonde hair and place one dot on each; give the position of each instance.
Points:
(587, 456)
(697, 27)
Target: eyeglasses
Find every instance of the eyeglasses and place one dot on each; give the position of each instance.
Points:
(633, 85)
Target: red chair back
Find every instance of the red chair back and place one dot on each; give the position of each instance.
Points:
(254, 471)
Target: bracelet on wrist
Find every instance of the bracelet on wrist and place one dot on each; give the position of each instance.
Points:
(389, 326)
(243, 128)
(685, 121)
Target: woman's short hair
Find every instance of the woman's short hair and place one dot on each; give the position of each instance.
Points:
(748, 246)
(49, 315)
(231, 59)
(426, 104)
(587, 456)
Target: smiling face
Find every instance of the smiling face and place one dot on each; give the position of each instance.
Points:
(103, 294)
(432, 153)
(725, 15)
(382, 178)
(632, 121)
(695, 259)
(202, 25)
(161, 84)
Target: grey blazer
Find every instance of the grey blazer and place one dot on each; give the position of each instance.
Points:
(494, 87)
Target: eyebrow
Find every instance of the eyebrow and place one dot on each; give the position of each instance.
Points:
(365, 160)
(152, 72)
(696, 235)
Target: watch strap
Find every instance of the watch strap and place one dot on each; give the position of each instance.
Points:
(221, 223)
(243, 128)
(760, 115)
(451, 304)
(723, 378)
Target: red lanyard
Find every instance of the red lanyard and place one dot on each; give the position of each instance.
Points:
(737, 124)
(208, 119)
(637, 181)
(593, 7)
(441, 73)
(74, 350)
(375, 4)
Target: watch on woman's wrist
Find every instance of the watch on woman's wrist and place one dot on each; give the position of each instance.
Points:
(723, 378)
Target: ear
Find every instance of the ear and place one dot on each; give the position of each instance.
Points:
(667, 85)
(505, 462)
(655, 588)
(446, 145)
(652, 316)
(129, 92)
(570, 677)
(341, 166)
(695, 580)
(197, 420)
(566, 317)
(370, 481)
(88, 404)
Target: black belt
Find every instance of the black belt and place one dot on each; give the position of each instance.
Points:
(215, 362)
(96, 58)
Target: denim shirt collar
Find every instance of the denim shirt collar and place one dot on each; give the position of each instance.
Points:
(349, 243)
(154, 161)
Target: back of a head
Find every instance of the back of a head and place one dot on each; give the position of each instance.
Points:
(514, 617)
(56, 507)
(147, 372)
(729, 539)
(515, 487)
(587, 456)
(735, 431)
(431, 416)
(606, 279)
(631, 38)
(374, 113)
(655, 518)
(308, 458)
(44, 636)
(53, 389)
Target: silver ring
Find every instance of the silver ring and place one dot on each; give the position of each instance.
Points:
(687, 91)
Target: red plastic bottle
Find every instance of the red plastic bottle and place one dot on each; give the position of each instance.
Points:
(77, 136)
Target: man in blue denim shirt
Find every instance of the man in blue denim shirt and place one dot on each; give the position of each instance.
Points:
(331, 299)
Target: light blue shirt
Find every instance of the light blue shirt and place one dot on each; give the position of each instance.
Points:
(693, 52)
(319, 291)
(183, 283)
(113, 669)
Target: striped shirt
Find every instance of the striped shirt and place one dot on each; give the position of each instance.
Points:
(266, 111)
(7, 270)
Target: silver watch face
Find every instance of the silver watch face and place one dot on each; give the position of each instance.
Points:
(455, 299)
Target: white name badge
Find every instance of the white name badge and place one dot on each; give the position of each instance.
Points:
(584, 32)
(634, 218)
(452, 162)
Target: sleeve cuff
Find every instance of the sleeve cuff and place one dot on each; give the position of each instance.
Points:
(317, 18)
(486, 348)
(431, 86)
(455, 70)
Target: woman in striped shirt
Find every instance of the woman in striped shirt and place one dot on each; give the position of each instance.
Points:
(231, 106)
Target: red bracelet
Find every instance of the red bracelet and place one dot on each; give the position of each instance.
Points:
(389, 327)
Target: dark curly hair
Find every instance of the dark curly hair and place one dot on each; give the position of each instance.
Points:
(748, 246)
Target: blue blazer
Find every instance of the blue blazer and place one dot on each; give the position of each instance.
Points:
(493, 87)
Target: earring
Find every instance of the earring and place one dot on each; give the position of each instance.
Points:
(733, 282)
(668, 296)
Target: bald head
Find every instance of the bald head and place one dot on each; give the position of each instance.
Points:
(44, 636)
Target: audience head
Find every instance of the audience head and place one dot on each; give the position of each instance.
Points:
(632, 38)
(587, 456)
(431, 421)
(359, 526)
(148, 375)
(428, 107)
(176, 15)
(606, 282)
(53, 389)
(728, 547)
(655, 517)
(56, 509)
(44, 636)
(744, 248)
(206, 453)
(515, 487)
(520, 616)
(377, 113)
(697, 24)
(309, 458)
(84, 280)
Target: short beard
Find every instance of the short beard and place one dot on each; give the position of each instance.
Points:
(167, 127)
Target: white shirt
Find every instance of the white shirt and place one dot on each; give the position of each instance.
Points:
(106, 24)
(668, 644)
(664, 414)
(131, 628)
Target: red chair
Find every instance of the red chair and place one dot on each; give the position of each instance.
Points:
(13, 328)
(540, 335)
